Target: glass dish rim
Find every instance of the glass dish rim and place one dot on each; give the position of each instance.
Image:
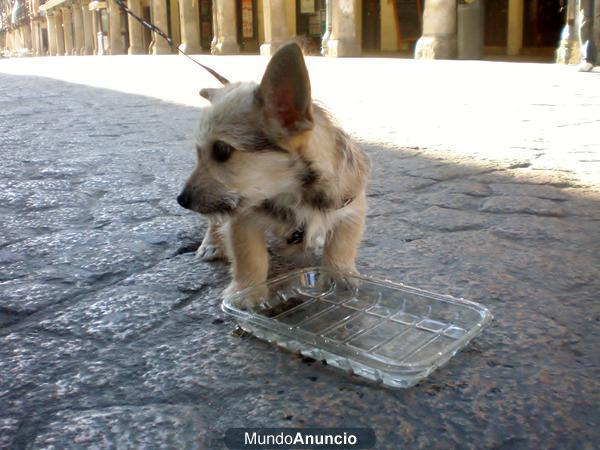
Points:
(362, 357)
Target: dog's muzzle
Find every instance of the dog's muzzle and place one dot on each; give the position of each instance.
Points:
(184, 199)
(203, 205)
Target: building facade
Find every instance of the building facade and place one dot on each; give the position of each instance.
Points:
(469, 29)
(21, 30)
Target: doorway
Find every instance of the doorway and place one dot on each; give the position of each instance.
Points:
(371, 25)
(496, 24)
(246, 26)
(310, 24)
(206, 24)
(543, 21)
(45, 47)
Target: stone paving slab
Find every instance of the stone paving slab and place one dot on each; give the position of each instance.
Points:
(111, 333)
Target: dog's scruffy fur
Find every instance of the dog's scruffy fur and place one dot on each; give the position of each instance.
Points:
(272, 162)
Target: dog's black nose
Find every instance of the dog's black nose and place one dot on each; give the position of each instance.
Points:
(184, 199)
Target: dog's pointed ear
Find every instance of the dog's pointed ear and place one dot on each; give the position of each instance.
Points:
(209, 93)
(285, 90)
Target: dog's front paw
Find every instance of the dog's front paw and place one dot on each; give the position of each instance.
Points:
(253, 298)
(210, 252)
(349, 268)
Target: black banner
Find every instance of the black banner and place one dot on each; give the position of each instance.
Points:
(299, 438)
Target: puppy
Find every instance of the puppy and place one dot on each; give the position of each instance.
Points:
(271, 162)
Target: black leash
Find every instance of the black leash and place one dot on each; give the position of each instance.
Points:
(162, 34)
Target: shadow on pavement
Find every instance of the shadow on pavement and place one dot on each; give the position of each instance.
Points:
(112, 332)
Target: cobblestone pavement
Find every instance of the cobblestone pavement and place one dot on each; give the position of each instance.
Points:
(111, 333)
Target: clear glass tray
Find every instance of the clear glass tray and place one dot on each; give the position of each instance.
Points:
(382, 331)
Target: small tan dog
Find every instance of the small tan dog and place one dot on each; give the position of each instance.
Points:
(272, 162)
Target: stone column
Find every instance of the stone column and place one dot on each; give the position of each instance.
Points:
(189, 17)
(26, 31)
(514, 40)
(587, 26)
(344, 39)
(327, 34)
(34, 25)
(31, 31)
(136, 36)
(39, 44)
(215, 28)
(78, 29)
(14, 41)
(37, 30)
(13, 45)
(439, 31)
(32, 36)
(159, 18)
(568, 51)
(276, 29)
(115, 39)
(226, 30)
(51, 21)
(68, 29)
(597, 30)
(9, 41)
(97, 49)
(60, 34)
(88, 28)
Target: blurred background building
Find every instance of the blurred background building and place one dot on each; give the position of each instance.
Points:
(468, 29)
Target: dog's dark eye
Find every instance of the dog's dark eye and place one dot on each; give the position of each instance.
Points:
(221, 151)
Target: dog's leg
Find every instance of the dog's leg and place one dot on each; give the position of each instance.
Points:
(212, 245)
(343, 240)
(247, 250)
